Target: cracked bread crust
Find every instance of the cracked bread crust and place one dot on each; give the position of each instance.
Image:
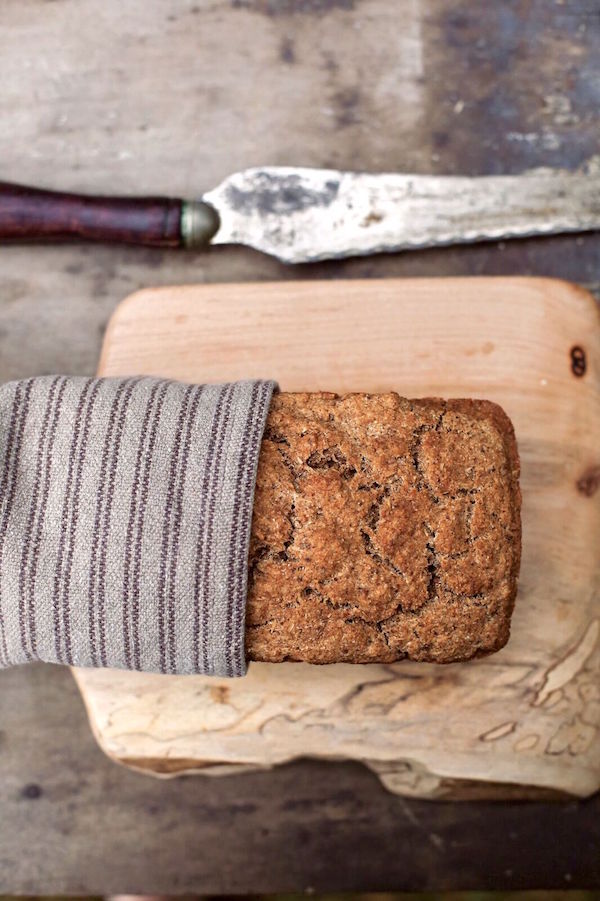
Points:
(383, 529)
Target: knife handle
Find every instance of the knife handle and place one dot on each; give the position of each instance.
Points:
(34, 214)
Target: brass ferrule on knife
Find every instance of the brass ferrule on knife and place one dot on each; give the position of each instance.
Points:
(199, 223)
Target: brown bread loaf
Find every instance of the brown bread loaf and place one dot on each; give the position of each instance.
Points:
(383, 529)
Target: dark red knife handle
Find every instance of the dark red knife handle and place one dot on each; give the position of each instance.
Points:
(33, 214)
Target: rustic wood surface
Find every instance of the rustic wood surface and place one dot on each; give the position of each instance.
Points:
(529, 715)
(168, 97)
(71, 818)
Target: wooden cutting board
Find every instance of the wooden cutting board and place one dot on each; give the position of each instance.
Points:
(523, 721)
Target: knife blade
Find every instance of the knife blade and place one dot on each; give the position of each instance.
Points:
(301, 215)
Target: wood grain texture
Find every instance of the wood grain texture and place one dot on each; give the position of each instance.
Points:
(170, 97)
(529, 715)
(97, 828)
(33, 214)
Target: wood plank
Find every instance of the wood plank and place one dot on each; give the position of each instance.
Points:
(77, 83)
(170, 97)
(73, 821)
(526, 716)
(523, 76)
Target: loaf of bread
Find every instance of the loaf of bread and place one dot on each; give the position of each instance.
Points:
(383, 529)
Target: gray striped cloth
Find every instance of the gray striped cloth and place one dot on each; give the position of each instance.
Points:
(125, 513)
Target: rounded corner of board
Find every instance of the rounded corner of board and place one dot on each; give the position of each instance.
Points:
(132, 301)
(562, 286)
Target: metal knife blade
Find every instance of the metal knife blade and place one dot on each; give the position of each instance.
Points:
(301, 214)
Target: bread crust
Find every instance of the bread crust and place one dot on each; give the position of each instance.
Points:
(383, 529)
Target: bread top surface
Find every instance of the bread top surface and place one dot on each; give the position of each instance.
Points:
(383, 529)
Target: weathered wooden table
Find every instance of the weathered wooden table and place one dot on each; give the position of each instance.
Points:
(170, 97)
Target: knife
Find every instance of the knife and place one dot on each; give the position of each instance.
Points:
(300, 215)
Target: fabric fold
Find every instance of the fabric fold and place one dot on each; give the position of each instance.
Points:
(125, 515)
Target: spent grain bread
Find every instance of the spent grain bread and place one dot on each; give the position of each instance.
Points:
(383, 529)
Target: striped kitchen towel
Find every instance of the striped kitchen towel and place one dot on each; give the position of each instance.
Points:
(125, 513)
